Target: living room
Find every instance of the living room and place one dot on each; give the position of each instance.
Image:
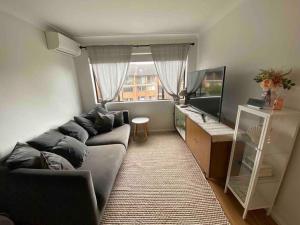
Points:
(163, 156)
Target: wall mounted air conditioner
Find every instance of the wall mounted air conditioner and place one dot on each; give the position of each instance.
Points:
(61, 43)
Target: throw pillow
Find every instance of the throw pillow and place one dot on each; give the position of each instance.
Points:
(104, 122)
(46, 141)
(24, 156)
(52, 161)
(92, 115)
(74, 130)
(72, 150)
(118, 118)
(88, 125)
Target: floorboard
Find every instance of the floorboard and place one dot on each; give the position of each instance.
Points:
(234, 210)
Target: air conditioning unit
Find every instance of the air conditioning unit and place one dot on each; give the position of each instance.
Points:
(61, 43)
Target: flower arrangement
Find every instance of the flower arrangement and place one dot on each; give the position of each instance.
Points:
(271, 81)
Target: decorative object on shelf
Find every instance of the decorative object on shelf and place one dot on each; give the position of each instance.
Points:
(183, 93)
(273, 82)
(278, 103)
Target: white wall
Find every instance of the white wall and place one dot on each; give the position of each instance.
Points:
(259, 34)
(161, 113)
(38, 87)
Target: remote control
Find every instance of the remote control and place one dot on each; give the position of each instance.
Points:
(203, 117)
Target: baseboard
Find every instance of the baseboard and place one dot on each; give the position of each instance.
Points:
(277, 218)
(161, 130)
(157, 130)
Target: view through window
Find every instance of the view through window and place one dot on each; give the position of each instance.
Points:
(212, 84)
(142, 83)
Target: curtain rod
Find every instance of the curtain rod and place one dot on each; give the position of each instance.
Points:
(83, 47)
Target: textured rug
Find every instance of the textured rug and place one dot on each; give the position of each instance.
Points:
(161, 183)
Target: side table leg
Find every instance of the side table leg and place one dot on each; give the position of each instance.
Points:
(134, 131)
(145, 131)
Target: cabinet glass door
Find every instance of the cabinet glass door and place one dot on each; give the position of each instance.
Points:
(180, 122)
(245, 150)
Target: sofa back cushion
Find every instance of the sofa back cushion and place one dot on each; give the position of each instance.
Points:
(72, 150)
(104, 122)
(23, 156)
(118, 118)
(87, 124)
(46, 141)
(92, 115)
(53, 161)
(74, 130)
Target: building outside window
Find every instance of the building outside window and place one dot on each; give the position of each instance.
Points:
(142, 83)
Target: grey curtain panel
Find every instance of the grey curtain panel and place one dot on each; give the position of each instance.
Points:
(110, 66)
(194, 81)
(170, 63)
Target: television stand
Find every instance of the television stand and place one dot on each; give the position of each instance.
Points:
(209, 141)
(202, 114)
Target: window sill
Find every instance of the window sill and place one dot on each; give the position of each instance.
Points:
(145, 101)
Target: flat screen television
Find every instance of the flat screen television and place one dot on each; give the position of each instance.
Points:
(205, 90)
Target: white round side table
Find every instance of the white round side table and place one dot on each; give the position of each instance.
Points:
(140, 121)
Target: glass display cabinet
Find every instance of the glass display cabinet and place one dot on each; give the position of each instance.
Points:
(180, 122)
(262, 144)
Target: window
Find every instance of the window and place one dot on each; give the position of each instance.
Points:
(142, 82)
(127, 88)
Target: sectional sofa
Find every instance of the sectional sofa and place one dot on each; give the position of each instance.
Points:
(75, 197)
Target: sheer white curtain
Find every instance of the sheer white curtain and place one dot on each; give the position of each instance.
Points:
(194, 80)
(109, 65)
(170, 63)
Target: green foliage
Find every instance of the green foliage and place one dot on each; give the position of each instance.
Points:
(287, 84)
(213, 89)
(278, 78)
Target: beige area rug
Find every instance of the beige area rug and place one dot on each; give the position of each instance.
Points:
(161, 183)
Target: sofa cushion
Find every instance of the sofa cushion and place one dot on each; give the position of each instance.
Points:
(86, 124)
(104, 122)
(52, 161)
(23, 156)
(74, 130)
(92, 115)
(119, 135)
(118, 118)
(104, 163)
(46, 141)
(72, 150)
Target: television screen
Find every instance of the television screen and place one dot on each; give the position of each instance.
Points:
(205, 90)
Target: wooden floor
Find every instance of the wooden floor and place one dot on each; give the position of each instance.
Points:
(234, 210)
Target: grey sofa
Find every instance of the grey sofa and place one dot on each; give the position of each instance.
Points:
(47, 197)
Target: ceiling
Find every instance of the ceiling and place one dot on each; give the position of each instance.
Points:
(87, 18)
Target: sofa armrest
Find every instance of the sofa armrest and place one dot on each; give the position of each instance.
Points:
(126, 116)
(47, 197)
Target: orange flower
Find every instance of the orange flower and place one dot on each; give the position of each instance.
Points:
(267, 84)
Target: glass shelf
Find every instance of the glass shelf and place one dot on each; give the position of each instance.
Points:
(242, 136)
